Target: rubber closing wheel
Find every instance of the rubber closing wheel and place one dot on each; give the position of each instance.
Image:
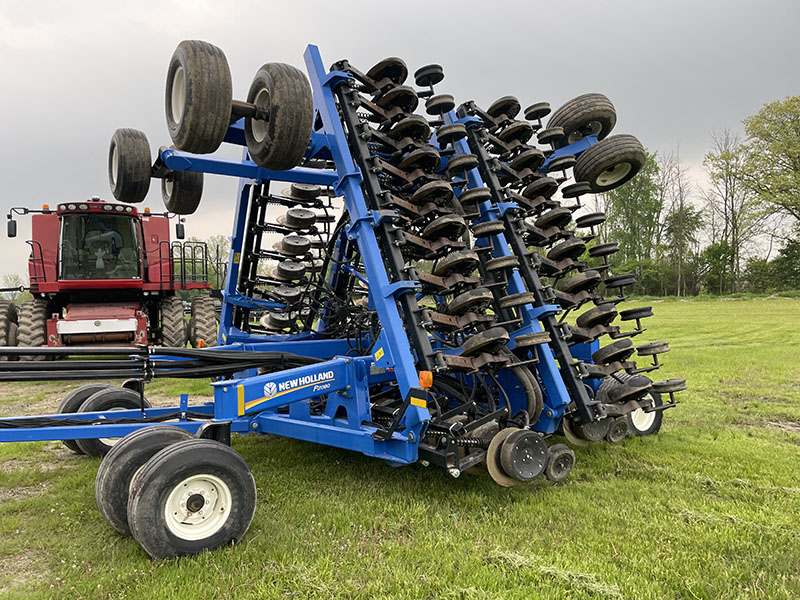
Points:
(182, 191)
(284, 92)
(198, 99)
(191, 496)
(122, 463)
(129, 165)
(493, 464)
(560, 460)
(523, 455)
(610, 162)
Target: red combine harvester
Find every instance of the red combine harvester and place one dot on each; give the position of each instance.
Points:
(105, 274)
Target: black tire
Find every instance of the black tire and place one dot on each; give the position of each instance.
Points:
(523, 455)
(602, 314)
(619, 350)
(641, 423)
(173, 324)
(203, 324)
(281, 142)
(116, 472)
(220, 478)
(588, 114)
(32, 331)
(129, 165)
(198, 97)
(107, 400)
(181, 191)
(560, 460)
(610, 163)
(72, 403)
(8, 325)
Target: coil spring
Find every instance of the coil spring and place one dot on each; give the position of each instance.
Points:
(472, 442)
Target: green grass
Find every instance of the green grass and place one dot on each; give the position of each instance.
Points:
(709, 508)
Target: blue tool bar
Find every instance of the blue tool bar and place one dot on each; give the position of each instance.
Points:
(556, 397)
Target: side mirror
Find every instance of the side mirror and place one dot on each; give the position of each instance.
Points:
(180, 231)
(12, 228)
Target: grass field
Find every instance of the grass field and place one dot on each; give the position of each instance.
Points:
(709, 508)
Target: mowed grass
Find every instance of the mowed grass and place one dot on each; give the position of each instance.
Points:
(709, 508)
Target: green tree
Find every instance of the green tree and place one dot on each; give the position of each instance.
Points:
(735, 211)
(773, 155)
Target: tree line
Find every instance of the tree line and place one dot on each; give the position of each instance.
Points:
(740, 232)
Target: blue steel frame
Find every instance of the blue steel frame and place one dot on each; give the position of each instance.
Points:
(280, 403)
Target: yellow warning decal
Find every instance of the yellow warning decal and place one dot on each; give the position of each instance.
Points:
(236, 257)
(420, 402)
(379, 354)
(240, 392)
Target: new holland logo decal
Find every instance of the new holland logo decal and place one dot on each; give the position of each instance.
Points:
(321, 382)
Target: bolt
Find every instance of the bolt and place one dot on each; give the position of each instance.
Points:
(224, 389)
(254, 426)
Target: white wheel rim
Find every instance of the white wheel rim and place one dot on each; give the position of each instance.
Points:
(111, 441)
(198, 507)
(114, 164)
(591, 128)
(641, 420)
(260, 128)
(614, 174)
(178, 97)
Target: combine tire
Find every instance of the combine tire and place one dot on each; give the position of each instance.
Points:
(72, 403)
(281, 142)
(199, 93)
(107, 400)
(8, 325)
(120, 465)
(588, 114)
(192, 496)
(173, 325)
(129, 165)
(203, 324)
(32, 325)
(181, 191)
(610, 163)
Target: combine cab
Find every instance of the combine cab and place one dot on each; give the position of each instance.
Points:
(105, 274)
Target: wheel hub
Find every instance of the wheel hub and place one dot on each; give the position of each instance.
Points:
(198, 507)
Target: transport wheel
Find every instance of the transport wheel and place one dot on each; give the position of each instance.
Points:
(610, 163)
(523, 455)
(191, 496)
(129, 165)
(588, 114)
(32, 330)
(198, 98)
(173, 324)
(203, 324)
(560, 460)
(181, 191)
(8, 325)
(642, 423)
(122, 463)
(493, 464)
(281, 142)
(72, 403)
(107, 400)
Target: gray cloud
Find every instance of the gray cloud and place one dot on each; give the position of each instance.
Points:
(74, 72)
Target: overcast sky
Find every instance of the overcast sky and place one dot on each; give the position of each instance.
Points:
(73, 72)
